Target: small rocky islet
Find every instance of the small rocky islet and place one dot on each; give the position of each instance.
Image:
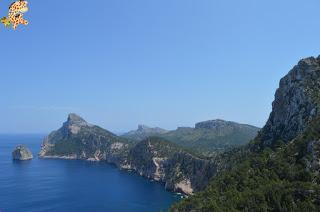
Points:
(22, 153)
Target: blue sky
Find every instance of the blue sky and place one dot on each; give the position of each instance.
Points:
(163, 63)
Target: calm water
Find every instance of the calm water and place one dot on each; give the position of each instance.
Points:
(62, 185)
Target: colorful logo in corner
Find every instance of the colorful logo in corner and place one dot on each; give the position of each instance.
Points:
(15, 14)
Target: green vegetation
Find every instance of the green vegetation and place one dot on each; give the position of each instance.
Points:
(175, 163)
(206, 141)
(275, 178)
(207, 138)
(88, 140)
(143, 152)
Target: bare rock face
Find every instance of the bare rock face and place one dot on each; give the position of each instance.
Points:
(297, 101)
(74, 124)
(22, 153)
(177, 169)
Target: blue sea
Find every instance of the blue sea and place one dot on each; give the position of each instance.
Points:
(66, 185)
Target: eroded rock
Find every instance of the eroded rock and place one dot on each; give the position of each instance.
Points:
(22, 153)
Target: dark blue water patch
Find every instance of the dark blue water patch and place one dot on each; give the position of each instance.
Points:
(72, 185)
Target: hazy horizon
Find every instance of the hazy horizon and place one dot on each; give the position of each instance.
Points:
(159, 63)
(118, 132)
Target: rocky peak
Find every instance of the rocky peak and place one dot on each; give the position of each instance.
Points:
(74, 119)
(74, 123)
(296, 102)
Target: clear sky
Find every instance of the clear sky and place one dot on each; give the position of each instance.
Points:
(166, 63)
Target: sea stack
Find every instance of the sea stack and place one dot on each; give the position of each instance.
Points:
(22, 153)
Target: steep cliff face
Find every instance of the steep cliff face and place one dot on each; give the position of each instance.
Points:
(166, 162)
(280, 169)
(296, 103)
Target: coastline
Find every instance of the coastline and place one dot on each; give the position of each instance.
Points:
(173, 189)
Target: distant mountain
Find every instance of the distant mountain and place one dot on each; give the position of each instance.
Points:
(280, 169)
(144, 132)
(206, 137)
(77, 139)
(212, 135)
(155, 158)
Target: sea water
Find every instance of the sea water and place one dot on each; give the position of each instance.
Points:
(72, 185)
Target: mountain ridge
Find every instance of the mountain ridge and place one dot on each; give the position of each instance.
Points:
(153, 157)
(210, 136)
(219, 123)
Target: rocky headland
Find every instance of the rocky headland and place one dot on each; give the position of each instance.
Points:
(155, 158)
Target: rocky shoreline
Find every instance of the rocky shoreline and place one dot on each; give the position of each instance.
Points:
(183, 187)
(153, 158)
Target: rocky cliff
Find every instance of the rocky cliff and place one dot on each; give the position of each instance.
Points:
(179, 169)
(279, 170)
(296, 103)
(21, 153)
(154, 158)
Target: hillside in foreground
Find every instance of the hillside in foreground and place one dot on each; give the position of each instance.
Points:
(279, 170)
